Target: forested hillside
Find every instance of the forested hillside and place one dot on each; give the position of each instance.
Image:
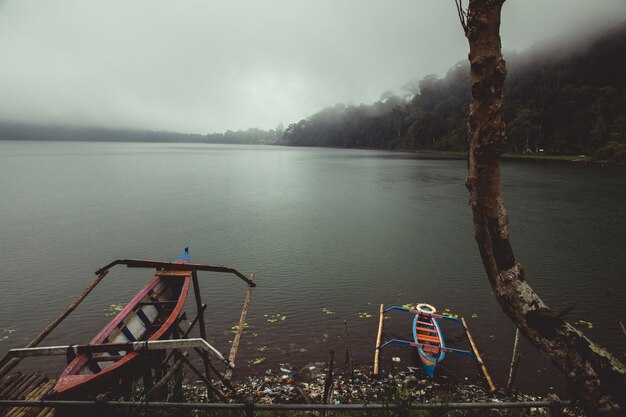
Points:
(558, 100)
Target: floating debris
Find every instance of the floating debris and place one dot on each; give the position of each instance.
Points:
(235, 328)
(7, 332)
(448, 313)
(113, 309)
(262, 348)
(585, 323)
(288, 387)
(365, 315)
(327, 311)
(257, 361)
(273, 318)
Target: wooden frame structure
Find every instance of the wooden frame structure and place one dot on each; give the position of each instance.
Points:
(153, 349)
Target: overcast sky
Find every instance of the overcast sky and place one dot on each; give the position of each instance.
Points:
(208, 66)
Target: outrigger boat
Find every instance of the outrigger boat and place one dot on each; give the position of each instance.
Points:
(150, 315)
(427, 336)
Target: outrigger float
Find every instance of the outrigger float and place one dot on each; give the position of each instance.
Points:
(428, 339)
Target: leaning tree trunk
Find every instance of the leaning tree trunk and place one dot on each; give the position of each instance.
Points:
(594, 375)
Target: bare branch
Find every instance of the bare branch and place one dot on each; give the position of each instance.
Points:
(462, 14)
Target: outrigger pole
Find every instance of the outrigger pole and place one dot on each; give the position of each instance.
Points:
(378, 337)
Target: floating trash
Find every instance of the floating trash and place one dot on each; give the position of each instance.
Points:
(327, 311)
(365, 315)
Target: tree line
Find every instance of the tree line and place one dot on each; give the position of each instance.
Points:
(23, 131)
(558, 100)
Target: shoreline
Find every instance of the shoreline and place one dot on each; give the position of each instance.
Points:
(399, 386)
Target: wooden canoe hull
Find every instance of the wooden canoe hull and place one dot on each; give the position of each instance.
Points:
(150, 315)
(426, 331)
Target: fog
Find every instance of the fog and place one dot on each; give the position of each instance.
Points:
(209, 66)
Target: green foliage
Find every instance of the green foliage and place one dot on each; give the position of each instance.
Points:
(561, 103)
(613, 153)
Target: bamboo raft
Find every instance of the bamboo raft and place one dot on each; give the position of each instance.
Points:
(30, 386)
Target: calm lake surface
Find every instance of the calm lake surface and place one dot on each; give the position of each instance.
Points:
(342, 230)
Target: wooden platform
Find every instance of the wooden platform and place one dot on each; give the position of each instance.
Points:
(26, 386)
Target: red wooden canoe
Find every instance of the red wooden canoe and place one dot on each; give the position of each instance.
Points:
(150, 315)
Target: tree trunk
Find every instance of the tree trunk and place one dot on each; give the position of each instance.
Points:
(594, 375)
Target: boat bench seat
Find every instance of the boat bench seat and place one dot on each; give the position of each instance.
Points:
(112, 358)
(154, 303)
(425, 338)
(424, 329)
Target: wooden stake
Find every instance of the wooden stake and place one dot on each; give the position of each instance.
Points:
(242, 322)
(329, 376)
(200, 311)
(378, 338)
(492, 387)
(210, 387)
(623, 329)
(514, 361)
(349, 355)
(161, 386)
(45, 332)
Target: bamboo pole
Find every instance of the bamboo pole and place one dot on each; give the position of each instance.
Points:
(514, 361)
(18, 389)
(492, 387)
(45, 332)
(242, 322)
(45, 412)
(623, 329)
(378, 338)
(22, 377)
(36, 394)
(9, 381)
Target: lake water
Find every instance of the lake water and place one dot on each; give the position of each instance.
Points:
(341, 230)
